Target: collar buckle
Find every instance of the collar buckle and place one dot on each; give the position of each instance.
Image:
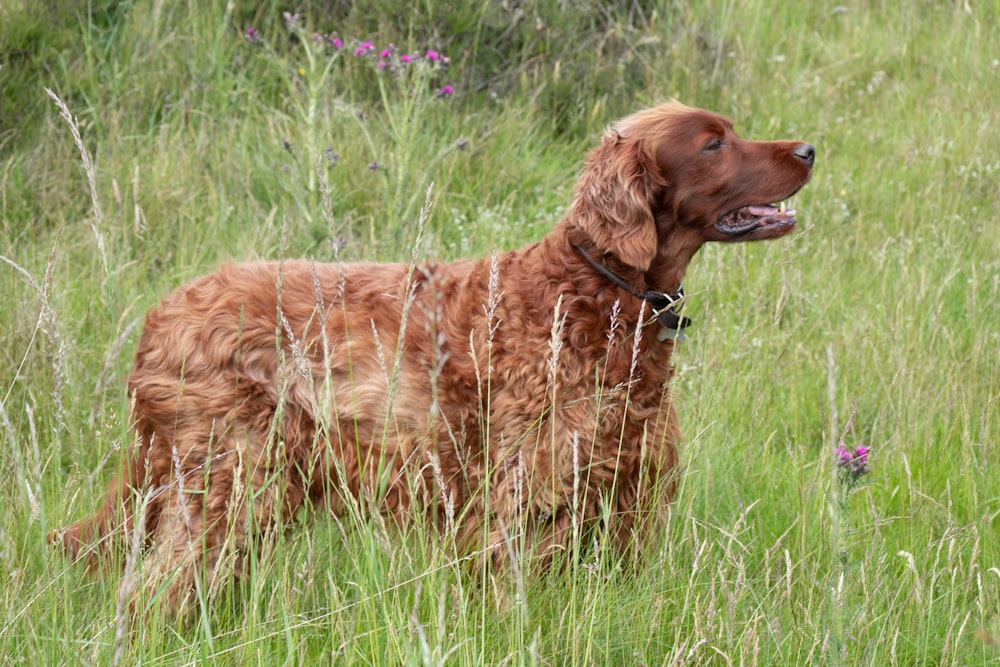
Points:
(666, 307)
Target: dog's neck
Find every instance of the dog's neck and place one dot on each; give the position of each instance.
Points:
(677, 247)
(665, 305)
(662, 304)
(665, 273)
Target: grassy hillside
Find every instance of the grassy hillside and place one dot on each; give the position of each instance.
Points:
(208, 131)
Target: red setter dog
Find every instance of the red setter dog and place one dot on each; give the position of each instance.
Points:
(509, 397)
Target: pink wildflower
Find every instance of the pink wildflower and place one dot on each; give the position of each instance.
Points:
(852, 466)
(860, 459)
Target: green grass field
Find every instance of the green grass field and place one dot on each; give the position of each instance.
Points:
(877, 324)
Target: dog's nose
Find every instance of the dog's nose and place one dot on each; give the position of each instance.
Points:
(806, 153)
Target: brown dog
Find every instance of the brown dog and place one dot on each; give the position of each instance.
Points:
(511, 397)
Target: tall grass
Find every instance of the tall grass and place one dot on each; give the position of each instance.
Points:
(877, 325)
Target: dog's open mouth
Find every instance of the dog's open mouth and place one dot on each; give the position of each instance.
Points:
(751, 218)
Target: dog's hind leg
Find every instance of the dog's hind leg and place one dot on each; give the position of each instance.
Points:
(214, 511)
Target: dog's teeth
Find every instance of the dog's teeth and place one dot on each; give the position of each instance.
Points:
(781, 207)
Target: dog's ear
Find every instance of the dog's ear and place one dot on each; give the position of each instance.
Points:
(612, 200)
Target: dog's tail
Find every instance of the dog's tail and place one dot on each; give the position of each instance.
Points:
(91, 538)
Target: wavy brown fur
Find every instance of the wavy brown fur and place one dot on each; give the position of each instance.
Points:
(387, 387)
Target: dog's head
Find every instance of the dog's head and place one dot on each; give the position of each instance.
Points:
(682, 173)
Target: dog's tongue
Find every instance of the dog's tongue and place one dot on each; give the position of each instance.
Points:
(762, 211)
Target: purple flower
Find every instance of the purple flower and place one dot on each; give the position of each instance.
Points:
(432, 55)
(291, 20)
(405, 58)
(364, 48)
(444, 91)
(386, 53)
(852, 466)
(373, 165)
(382, 65)
(252, 36)
(337, 42)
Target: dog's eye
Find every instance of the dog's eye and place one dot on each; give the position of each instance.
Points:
(714, 145)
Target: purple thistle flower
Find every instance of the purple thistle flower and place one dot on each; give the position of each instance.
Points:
(338, 43)
(386, 53)
(405, 58)
(364, 48)
(373, 165)
(381, 65)
(852, 466)
(444, 91)
(252, 36)
(432, 55)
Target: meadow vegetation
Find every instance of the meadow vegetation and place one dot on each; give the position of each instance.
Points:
(877, 325)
